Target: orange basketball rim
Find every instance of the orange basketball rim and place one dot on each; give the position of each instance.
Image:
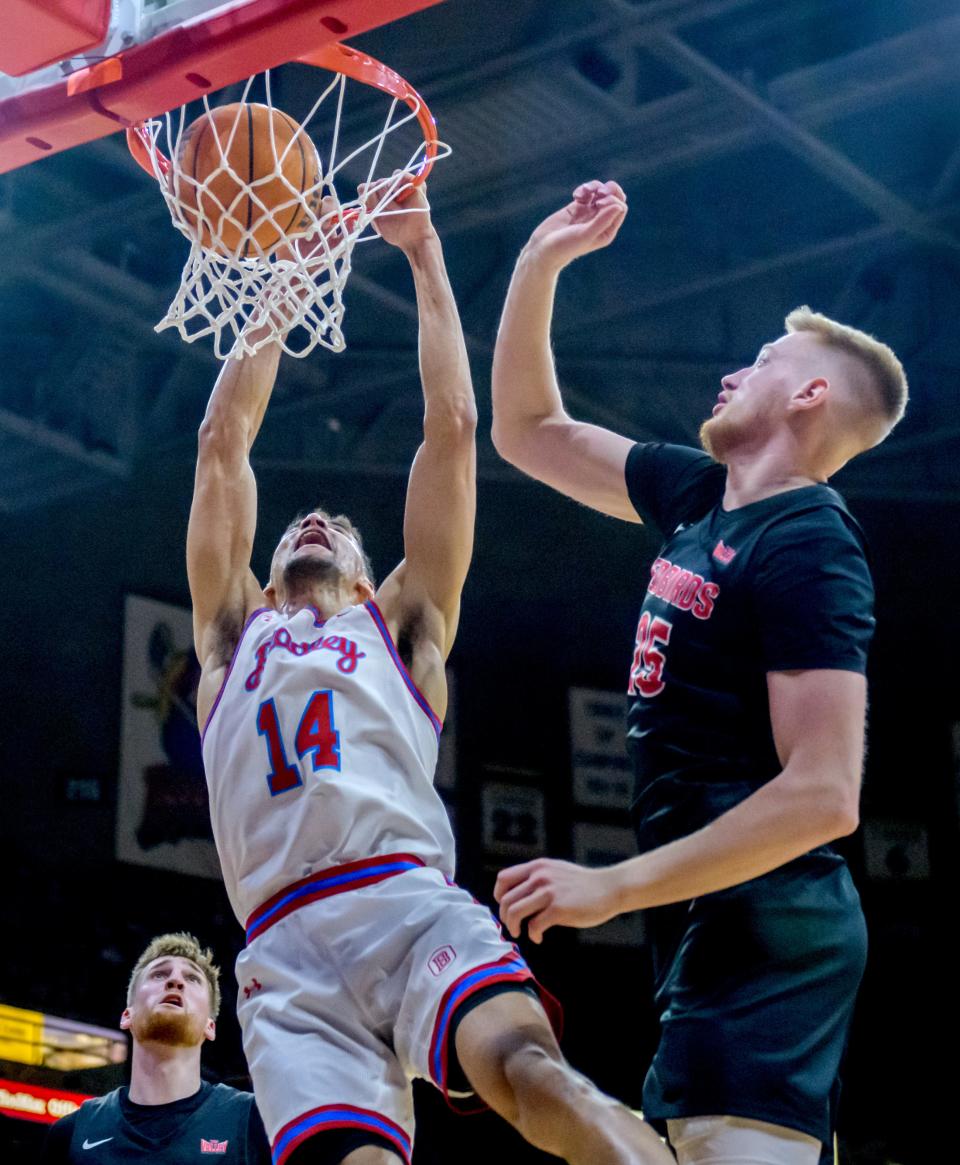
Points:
(337, 58)
(248, 194)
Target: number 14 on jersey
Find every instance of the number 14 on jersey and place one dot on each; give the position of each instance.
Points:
(316, 736)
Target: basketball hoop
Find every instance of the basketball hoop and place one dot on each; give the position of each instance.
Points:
(247, 270)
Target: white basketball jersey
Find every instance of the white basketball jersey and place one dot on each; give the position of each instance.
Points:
(319, 750)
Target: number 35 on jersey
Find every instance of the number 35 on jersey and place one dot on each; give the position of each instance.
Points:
(646, 671)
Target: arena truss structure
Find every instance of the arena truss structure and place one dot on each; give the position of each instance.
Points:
(766, 167)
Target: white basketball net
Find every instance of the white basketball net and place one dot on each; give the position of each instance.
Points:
(296, 292)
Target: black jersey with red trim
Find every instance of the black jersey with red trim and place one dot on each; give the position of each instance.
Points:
(780, 584)
(217, 1123)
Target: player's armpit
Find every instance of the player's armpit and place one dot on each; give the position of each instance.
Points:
(420, 633)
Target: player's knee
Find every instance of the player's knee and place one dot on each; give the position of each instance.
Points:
(544, 1090)
(505, 1066)
(529, 1063)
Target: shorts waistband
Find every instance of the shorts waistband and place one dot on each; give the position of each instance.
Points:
(326, 883)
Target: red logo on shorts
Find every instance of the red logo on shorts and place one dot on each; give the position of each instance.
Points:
(212, 1146)
(440, 960)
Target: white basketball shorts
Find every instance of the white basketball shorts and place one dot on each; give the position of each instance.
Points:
(347, 991)
(733, 1140)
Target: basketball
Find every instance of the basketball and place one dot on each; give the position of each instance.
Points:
(243, 168)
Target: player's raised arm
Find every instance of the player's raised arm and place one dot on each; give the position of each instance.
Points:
(531, 429)
(422, 597)
(223, 516)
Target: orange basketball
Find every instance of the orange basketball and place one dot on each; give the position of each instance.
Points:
(248, 164)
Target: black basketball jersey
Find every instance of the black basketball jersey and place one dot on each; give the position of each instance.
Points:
(776, 585)
(217, 1124)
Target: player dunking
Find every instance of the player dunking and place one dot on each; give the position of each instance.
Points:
(747, 708)
(365, 965)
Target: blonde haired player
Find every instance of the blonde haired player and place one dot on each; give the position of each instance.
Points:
(168, 1114)
(322, 698)
(747, 707)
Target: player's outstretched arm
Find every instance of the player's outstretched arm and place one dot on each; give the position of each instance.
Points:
(421, 598)
(223, 515)
(818, 720)
(531, 429)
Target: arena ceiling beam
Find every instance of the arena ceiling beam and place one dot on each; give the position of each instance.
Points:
(816, 97)
(46, 437)
(637, 139)
(801, 256)
(831, 163)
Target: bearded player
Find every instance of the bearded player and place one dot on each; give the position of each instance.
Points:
(168, 1114)
(747, 702)
(322, 697)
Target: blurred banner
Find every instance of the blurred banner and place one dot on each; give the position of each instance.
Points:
(50, 1041)
(31, 1102)
(513, 818)
(602, 775)
(21, 1035)
(605, 845)
(163, 818)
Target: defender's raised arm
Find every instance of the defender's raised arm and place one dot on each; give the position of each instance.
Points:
(531, 429)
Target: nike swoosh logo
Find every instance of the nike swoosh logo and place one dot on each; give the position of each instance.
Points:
(93, 1144)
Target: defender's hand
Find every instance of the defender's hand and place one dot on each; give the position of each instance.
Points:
(547, 892)
(589, 222)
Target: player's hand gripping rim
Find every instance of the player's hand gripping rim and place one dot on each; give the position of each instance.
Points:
(405, 220)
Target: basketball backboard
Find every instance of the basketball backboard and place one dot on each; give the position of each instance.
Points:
(154, 56)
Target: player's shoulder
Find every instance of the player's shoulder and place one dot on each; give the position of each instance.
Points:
(810, 534)
(239, 1106)
(95, 1104)
(94, 1110)
(229, 1097)
(61, 1130)
(656, 458)
(57, 1141)
(670, 483)
(235, 1106)
(815, 513)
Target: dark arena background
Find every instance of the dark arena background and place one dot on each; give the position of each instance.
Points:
(775, 152)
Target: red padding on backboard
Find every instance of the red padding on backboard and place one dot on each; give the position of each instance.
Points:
(39, 32)
(178, 66)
